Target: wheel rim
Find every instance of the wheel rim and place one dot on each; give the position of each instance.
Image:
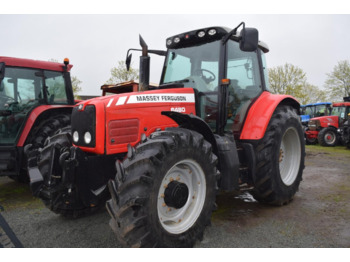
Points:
(289, 158)
(330, 137)
(179, 212)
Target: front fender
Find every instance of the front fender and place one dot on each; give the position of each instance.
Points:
(194, 123)
(261, 112)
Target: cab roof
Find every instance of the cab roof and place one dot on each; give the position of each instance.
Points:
(191, 37)
(30, 63)
(341, 104)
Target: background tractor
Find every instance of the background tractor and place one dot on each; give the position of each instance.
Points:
(325, 128)
(310, 111)
(36, 100)
(314, 110)
(165, 152)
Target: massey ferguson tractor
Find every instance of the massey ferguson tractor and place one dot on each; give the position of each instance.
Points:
(211, 124)
(325, 128)
(36, 100)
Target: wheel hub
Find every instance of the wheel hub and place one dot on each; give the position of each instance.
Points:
(176, 194)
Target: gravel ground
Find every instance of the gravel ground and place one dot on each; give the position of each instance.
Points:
(318, 216)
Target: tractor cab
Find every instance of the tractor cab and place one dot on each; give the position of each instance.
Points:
(222, 73)
(323, 109)
(24, 87)
(315, 110)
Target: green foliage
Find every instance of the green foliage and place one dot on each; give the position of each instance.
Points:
(311, 94)
(338, 81)
(291, 80)
(76, 86)
(287, 79)
(120, 74)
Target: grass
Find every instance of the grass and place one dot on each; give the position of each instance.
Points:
(341, 150)
(16, 195)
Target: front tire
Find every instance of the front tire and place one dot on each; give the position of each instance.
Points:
(280, 159)
(328, 136)
(37, 139)
(164, 192)
(58, 197)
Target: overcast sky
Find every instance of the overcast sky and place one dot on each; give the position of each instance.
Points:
(94, 43)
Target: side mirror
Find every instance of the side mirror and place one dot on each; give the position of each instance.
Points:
(128, 61)
(249, 39)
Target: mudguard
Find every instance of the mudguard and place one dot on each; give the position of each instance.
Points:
(33, 116)
(261, 112)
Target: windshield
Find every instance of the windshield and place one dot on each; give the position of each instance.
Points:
(308, 110)
(339, 111)
(196, 66)
(322, 110)
(21, 90)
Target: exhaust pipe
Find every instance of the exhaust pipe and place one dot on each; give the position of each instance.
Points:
(144, 66)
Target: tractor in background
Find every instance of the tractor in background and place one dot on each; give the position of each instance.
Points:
(36, 100)
(314, 110)
(164, 152)
(325, 128)
(310, 111)
(344, 130)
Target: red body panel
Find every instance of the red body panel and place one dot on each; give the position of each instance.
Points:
(143, 109)
(341, 104)
(31, 119)
(327, 121)
(311, 134)
(21, 62)
(260, 113)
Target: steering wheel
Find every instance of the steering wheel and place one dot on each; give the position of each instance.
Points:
(209, 79)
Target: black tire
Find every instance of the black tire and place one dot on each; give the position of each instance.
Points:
(280, 159)
(138, 203)
(310, 141)
(37, 139)
(57, 197)
(328, 136)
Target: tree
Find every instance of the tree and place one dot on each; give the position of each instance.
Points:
(291, 80)
(287, 79)
(120, 74)
(311, 94)
(76, 86)
(338, 81)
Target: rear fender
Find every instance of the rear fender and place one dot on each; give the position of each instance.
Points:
(261, 112)
(38, 114)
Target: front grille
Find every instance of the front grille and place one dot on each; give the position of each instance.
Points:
(83, 121)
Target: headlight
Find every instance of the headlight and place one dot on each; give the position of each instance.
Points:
(201, 34)
(87, 137)
(75, 136)
(212, 32)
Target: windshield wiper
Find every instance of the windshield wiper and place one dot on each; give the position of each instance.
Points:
(174, 84)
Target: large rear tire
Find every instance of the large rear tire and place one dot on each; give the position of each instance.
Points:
(164, 191)
(280, 159)
(328, 136)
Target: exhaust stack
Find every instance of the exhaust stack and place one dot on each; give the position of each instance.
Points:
(144, 66)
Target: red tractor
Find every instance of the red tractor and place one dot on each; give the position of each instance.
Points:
(325, 128)
(36, 99)
(211, 124)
